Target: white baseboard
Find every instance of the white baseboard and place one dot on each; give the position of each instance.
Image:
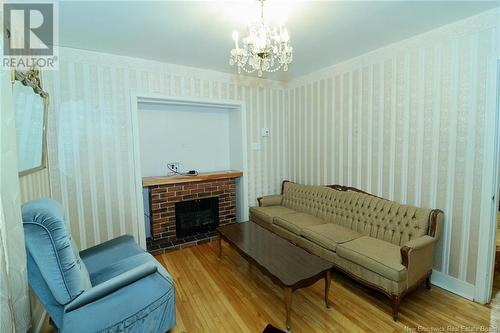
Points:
(453, 285)
(40, 322)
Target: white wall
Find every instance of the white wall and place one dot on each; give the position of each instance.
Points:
(196, 136)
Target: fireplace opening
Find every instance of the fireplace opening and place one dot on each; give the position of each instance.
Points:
(196, 216)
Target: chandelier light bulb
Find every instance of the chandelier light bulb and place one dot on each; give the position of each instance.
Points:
(235, 38)
(285, 37)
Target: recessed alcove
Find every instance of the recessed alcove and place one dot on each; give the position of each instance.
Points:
(203, 135)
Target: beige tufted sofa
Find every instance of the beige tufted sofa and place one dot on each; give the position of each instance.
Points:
(380, 243)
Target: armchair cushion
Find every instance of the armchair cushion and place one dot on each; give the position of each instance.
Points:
(146, 305)
(379, 256)
(137, 280)
(119, 267)
(53, 251)
(108, 253)
(111, 285)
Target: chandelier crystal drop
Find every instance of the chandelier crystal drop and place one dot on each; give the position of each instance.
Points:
(265, 49)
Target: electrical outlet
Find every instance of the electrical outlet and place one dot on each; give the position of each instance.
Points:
(175, 166)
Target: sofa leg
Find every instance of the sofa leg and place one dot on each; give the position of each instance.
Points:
(395, 300)
(428, 283)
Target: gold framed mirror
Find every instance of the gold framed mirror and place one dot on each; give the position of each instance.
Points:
(30, 104)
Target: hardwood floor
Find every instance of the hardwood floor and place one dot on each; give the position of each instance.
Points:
(226, 296)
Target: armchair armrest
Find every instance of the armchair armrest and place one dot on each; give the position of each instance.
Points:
(270, 200)
(103, 289)
(416, 256)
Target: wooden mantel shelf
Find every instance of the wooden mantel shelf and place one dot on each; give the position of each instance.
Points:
(203, 176)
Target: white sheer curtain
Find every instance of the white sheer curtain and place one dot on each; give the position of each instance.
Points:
(14, 297)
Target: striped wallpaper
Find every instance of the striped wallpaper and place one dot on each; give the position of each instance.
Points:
(406, 122)
(90, 141)
(35, 185)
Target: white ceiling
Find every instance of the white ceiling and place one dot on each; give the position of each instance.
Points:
(198, 33)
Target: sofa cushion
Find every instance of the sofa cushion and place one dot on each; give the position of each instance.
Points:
(268, 213)
(329, 235)
(296, 221)
(376, 255)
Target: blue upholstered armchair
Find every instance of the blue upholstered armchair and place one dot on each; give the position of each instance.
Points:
(112, 287)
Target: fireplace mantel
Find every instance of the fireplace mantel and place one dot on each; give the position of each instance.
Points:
(204, 176)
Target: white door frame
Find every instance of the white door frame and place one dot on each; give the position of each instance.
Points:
(490, 186)
(135, 99)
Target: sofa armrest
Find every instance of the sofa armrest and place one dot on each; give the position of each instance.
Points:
(103, 289)
(270, 200)
(416, 256)
(435, 223)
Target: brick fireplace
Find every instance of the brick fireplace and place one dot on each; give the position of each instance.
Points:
(164, 193)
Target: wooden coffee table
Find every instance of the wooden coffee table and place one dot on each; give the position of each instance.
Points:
(287, 265)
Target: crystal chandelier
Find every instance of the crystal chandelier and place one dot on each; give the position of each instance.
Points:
(265, 49)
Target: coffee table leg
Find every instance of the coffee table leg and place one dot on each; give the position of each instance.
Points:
(219, 247)
(327, 288)
(288, 306)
